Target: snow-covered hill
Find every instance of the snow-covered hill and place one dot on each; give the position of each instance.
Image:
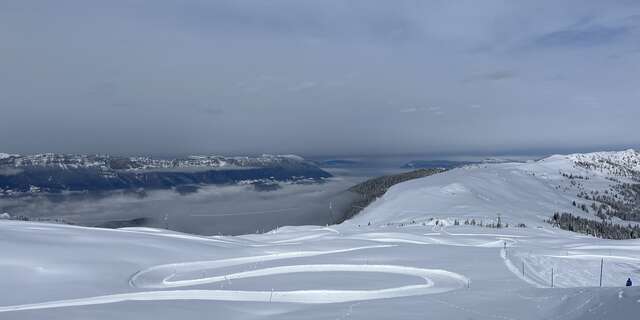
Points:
(517, 192)
(404, 257)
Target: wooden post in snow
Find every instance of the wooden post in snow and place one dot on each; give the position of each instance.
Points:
(601, 265)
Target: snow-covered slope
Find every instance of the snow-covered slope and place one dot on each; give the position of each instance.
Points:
(401, 258)
(517, 192)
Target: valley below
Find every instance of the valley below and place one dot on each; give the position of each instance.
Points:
(472, 242)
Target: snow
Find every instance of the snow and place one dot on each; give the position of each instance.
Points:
(518, 192)
(294, 157)
(446, 281)
(6, 155)
(403, 257)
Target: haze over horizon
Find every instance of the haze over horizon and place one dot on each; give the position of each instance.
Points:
(318, 78)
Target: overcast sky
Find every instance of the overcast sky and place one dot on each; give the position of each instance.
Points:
(318, 77)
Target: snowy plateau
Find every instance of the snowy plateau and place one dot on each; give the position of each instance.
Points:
(411, 254)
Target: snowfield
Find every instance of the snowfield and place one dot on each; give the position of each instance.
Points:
(403, 257)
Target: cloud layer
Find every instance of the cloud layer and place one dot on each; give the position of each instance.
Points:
(318, 77)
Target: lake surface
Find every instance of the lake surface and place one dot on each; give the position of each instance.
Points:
(212, 210)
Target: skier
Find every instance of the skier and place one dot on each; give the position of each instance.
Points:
(629, 283)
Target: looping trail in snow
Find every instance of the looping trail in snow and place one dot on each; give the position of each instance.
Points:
(431, 281)
(157, 277)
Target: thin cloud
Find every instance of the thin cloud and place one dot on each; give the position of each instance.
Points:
(492, 76)
(316, 77)
(303, 86)
(584, 36)
(409, 110)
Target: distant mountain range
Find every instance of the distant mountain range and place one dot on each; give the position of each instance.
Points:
(339, 163)
(432, 164)
(450, 164)
(54, 173)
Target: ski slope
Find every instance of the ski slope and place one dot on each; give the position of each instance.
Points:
(403, 257)
(431, 281)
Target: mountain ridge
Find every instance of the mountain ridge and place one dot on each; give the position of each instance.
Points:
(598, 186)
(51, 172)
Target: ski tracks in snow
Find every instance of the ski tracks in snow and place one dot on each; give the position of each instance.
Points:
(429, 281)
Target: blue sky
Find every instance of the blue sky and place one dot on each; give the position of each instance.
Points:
(318, 77)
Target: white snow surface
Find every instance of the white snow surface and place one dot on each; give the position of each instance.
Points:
(401, 258)
(6, 155)
(519, 192)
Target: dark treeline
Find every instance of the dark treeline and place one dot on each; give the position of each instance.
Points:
(601, 229)
(376, 187)
(622, 201)
(611, 168)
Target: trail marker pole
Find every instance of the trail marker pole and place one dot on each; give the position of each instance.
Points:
(601, 265)
(551, 277)
(523, 269)
(506, 253)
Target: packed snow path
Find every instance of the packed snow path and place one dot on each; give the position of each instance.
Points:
(160, 276)
(431, 281)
